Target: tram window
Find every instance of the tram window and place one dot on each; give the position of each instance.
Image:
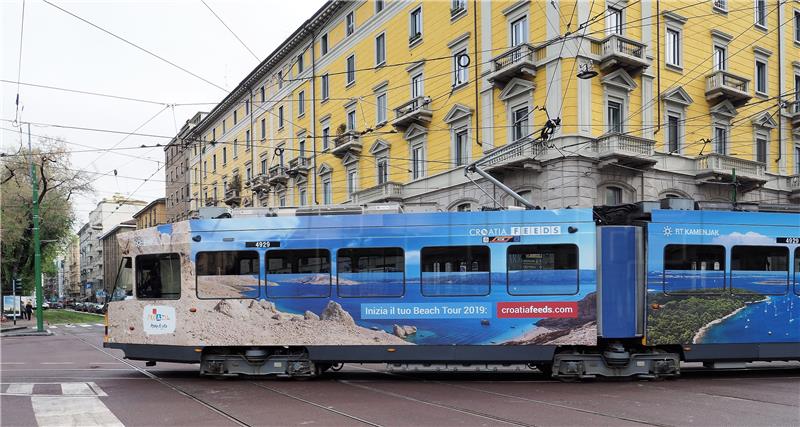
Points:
(298, 273)
(158, 276)
(760, 269)
(123, 287)
(370, 272)
(694, 269)
(455, 271)
(542, 270)
(227, 274)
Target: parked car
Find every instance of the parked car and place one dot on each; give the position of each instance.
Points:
(45, 305)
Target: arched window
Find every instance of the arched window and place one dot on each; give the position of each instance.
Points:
(613, 196)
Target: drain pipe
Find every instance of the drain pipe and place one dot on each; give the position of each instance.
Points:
(780, 87)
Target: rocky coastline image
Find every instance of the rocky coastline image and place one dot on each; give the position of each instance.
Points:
(581, 330)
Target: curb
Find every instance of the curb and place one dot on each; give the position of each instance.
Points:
(26, 334)
(12, 328)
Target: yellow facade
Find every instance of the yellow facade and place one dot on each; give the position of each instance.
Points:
(155, 213)
(655, 98)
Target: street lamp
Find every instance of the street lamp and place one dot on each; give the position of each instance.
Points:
(586, 70)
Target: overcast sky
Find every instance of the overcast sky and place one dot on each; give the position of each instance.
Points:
(60, 50)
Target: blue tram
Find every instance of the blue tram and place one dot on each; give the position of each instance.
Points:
(295, 295)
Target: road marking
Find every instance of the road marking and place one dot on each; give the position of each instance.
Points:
(20, 389)
(53, 327)
(12, 363)
(76, 389)
(99, 324)
(83, 325)
(70, 326)
(71, 411)
(56, 363)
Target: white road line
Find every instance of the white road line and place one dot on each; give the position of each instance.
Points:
(57, 363)
(25, 389)
(71, 411)
(12, 363)
(70, 326)
(83, 325)
(99, 324)
(76, 389)
(53, 327)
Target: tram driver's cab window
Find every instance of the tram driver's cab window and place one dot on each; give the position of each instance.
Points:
(760, 269)
(303, 273)
(694, 269)
(543, 269)
(123, 287)
(455, 271)
(227, 274)
(158, 276)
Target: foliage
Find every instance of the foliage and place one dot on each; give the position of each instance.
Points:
(58, 183)
(680, 318)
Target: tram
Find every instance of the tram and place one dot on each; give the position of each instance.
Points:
(566, 291)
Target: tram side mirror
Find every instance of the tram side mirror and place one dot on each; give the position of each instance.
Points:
(197, 238)
(572, 229)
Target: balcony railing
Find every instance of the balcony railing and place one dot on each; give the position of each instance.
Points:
(416, 110)
(259, 182)
(299, 165)
(516, 61)
(278, 175)
(793, 182)
(514, 153)
(726, 85)
(720, 164)
(628, 149)
(211, 202)
(349, 141)
(616, 50)
(388, 191)
(794, 112)
(233, 196)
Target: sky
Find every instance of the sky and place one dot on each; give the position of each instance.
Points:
(62, 51)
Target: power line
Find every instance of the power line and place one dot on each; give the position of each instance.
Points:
(83, 92)
(19, 61)
(229, 29)
(128, 42)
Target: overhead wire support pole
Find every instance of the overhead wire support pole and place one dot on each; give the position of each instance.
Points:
(37, 244)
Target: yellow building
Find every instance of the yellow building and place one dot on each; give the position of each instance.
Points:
(155, 213)
(374, 101)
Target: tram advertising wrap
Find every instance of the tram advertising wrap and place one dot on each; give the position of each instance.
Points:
(493, 278)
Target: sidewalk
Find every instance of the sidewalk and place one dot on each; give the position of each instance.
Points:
(22, 328)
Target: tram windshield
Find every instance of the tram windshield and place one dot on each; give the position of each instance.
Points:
(123, 286)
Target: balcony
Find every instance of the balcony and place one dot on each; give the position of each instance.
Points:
(233, 196)
(618, 51)
(277, 175)
(625, 150)
(348, 142)
(386, 192)
(515, 62)
(260, 183)
(299, 166)
(211, 202)
(715, 168)
(793, 182)
(516, 154)
(415, 111)
(725, 85)
(794, 112)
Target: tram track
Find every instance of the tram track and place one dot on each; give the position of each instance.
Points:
(172, 386)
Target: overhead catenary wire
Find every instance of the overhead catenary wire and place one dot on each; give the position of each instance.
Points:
(230, 30)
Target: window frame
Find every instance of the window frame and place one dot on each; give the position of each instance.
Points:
(136, 276)
(760, 14)
(325, 87)
(717, 291)
(267, 273)
(577, 269)
(259, 264)
(381, 111)
(415, 26)
(758, 64)
(349, 24)
(380, 50)
(402, 252)
(350, 70)
(788, 268)
(301, 103)
(422, 282)
(323, 44)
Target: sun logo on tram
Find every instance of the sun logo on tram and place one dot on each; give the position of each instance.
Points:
(667, 231)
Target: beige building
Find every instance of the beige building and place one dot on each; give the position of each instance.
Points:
(72, 269)
(178, 186)
(155, 213)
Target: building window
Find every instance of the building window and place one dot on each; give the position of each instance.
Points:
(761, 13)
(761, 149)
(415, 25)
(614, 112)
(263, 166)
(247, 140)
(280, 80)
(797, 26)
(326, 134)
(352, 182)
(417, 162)
(673, 133)
(720, 58)
(417, 89)
(380, 50)
(720, 140)
(214, 163)
(301, 103)
(460, 64)
(263, 129)
(302, 196)
(224, 156)
(613, 196)
(248, 173)
(325, 87)
(519, 123)
(519, 31)
(205, 168)
(614, 21)
(380, 108)
(761, 77)
(797, 168)
(327, 196)
(351, 120)
(282, 200)
(263, 94)
(224, 126)
(235, 117)
(464, 207)
(214, 134)
(280, 117)
(383, 170)
(456, 7)
(323, 44)
(461, 147)
(673, 47)
(721, 5)
(378, 6)
(351, 69)
(301, 148)
(235, 148)
(300, 64)
(350, 23)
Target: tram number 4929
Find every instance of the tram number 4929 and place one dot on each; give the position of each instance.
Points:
(788, 240)
(263, 244)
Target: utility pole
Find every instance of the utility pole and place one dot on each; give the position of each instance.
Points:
(37, 245)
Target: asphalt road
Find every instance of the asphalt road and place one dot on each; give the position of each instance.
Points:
(69, 379)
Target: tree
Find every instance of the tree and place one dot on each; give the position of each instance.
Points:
(58, 184)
